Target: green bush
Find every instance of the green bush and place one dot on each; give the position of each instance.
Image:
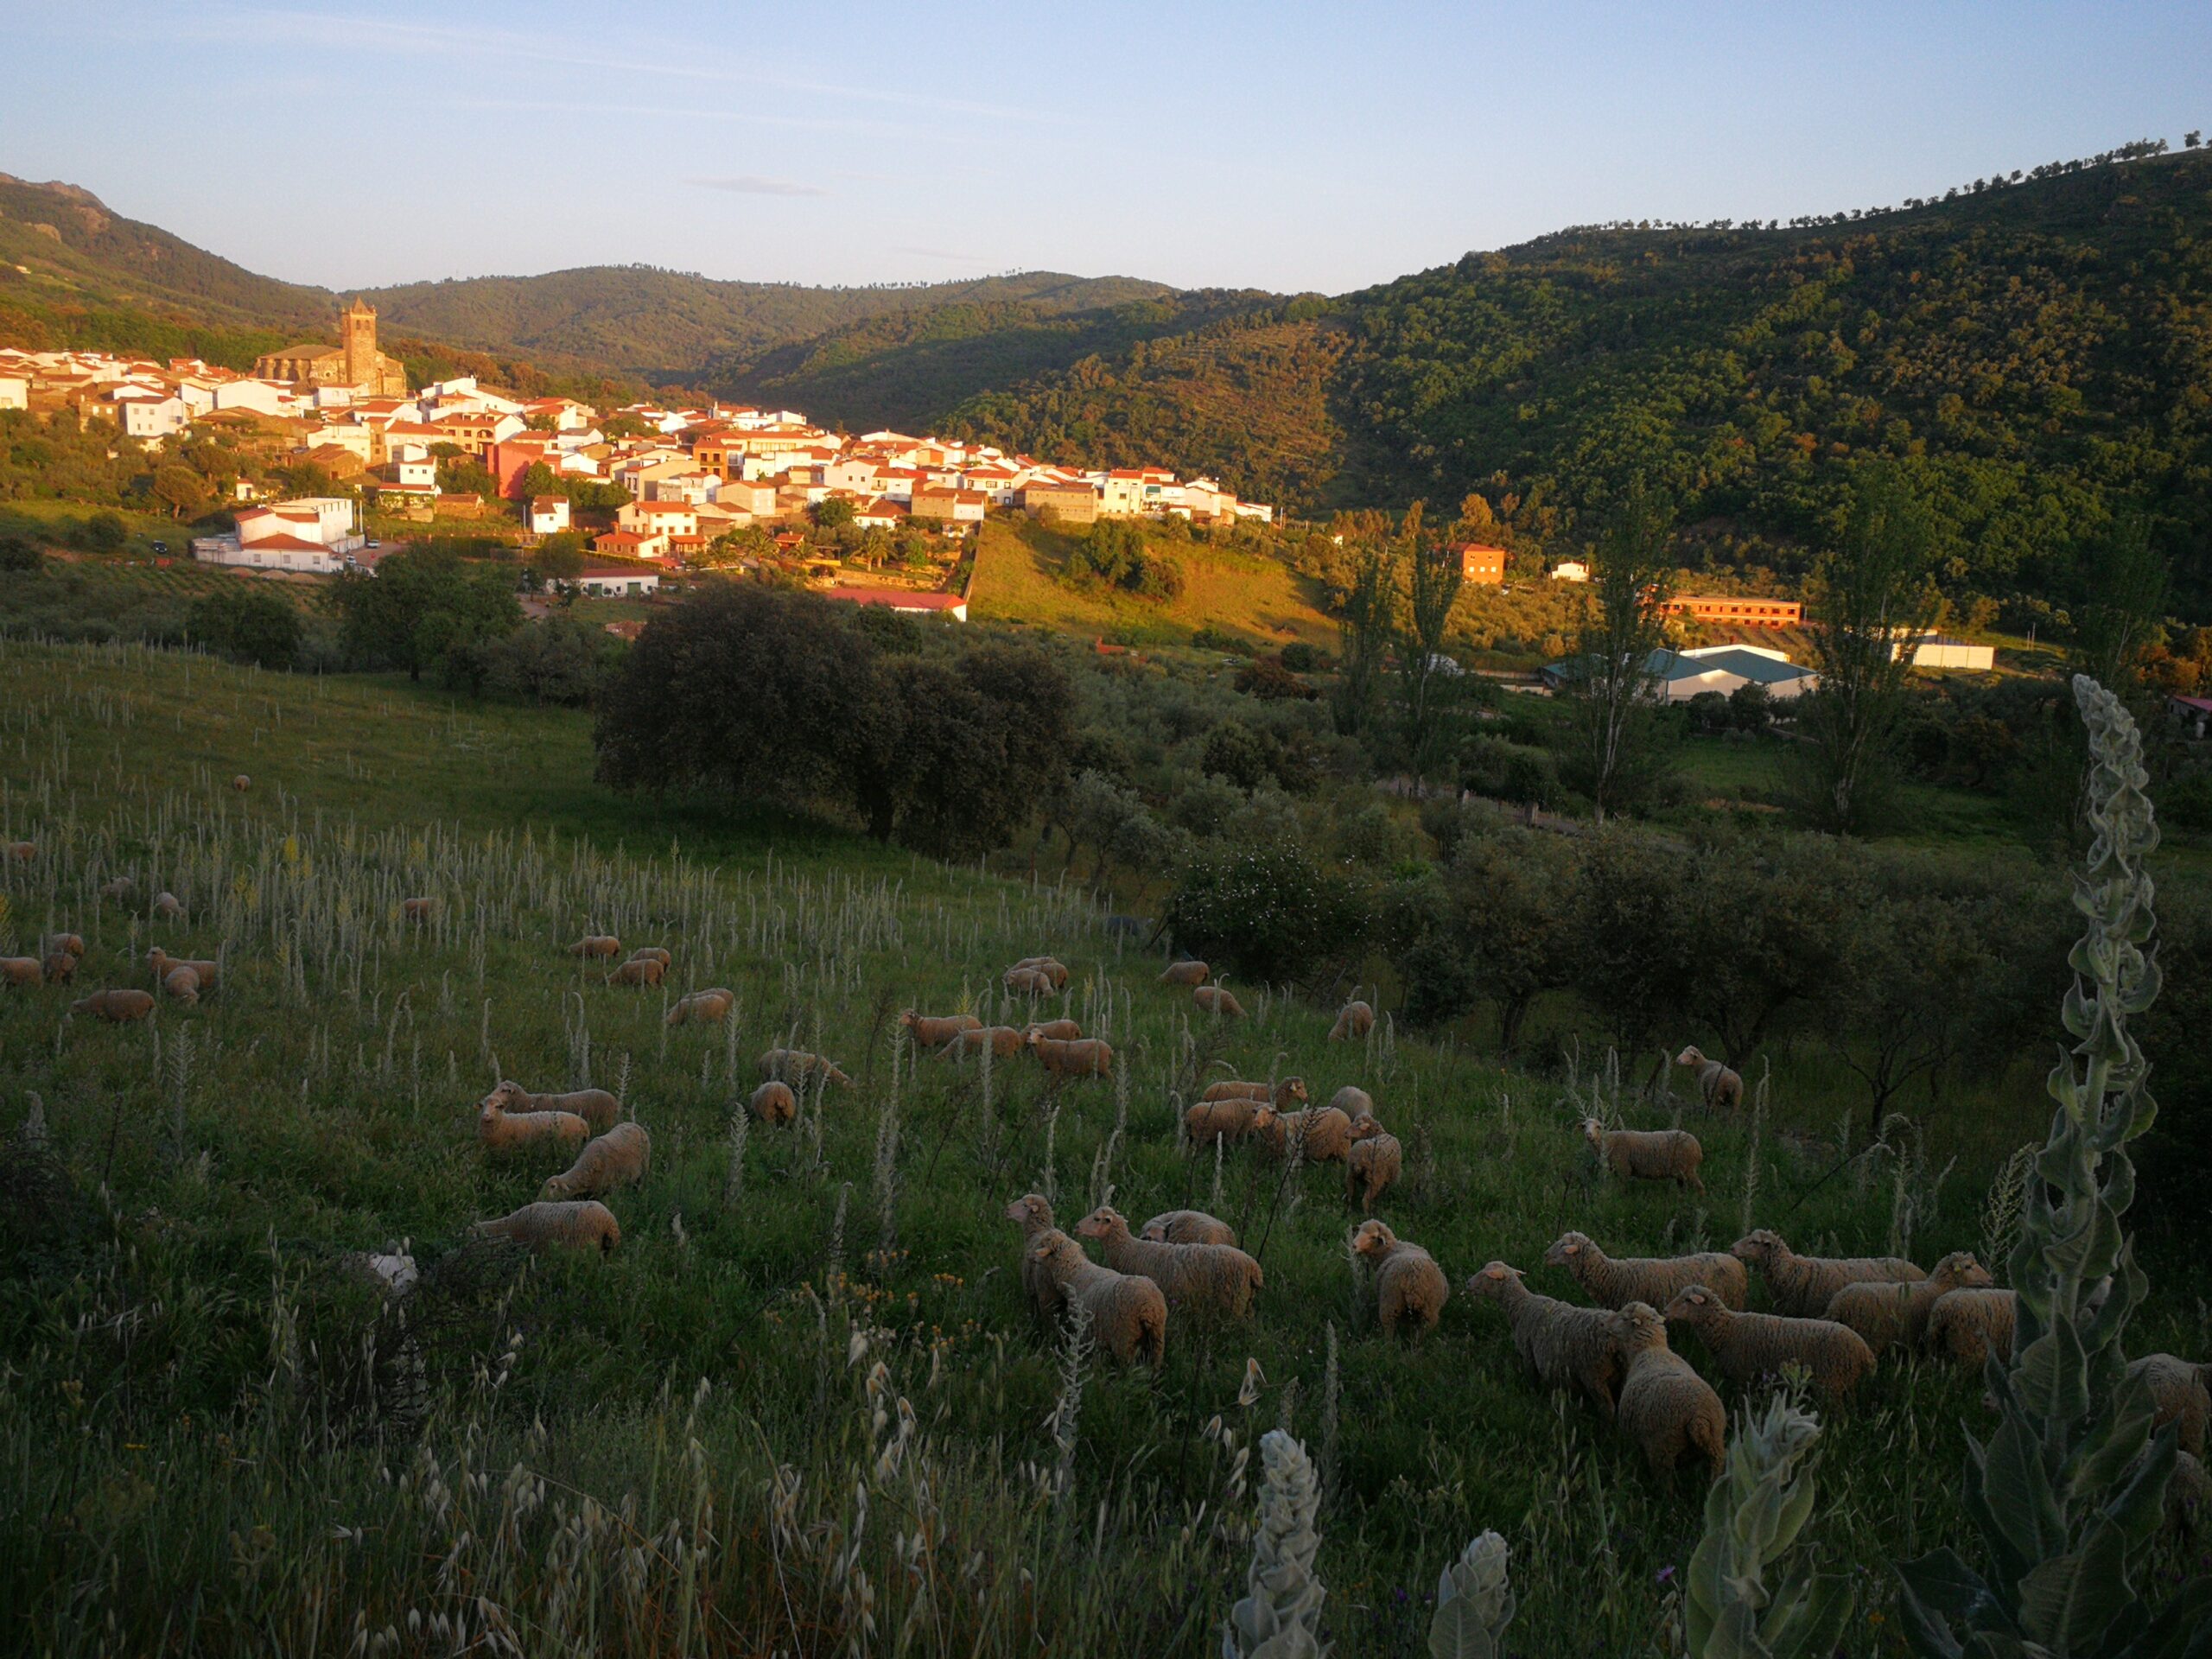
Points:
(1507, 771)
(1302, 659)
(1269, 913)
(20, 553)
(2186, 803)
(248, 627)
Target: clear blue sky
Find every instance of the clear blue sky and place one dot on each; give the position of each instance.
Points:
(1278, 145)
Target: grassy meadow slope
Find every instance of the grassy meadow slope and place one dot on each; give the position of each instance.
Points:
(803, 1394)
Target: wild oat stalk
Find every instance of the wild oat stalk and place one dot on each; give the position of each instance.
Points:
(2000, 1210)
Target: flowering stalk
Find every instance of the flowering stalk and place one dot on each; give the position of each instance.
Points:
(1280, 1617)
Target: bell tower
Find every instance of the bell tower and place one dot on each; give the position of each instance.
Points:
(357, 338)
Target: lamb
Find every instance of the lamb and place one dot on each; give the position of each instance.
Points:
(500, 1130)
(242, 783)
(2181, 1393)
(1052, 967)
(59, 968)
(1352, 1100)
(1564, 1347)
(595, 1106)
(23, 970)
(1803, 1286)
(1004, 1042)
(929, 1031)
(1212, 1279)
(582, 1225)
(163, 962)
(1354, 1020)
(119, 889)
(1128, 1315)
(1748, 1346)
(1039, 1286)
(597, 946)
(1283, 1094)
(1614, 1281)
(1191, 972)
(119, 1006)
(1207, 1121)
(1665, 1407)
(1647, 1155)
(1324, 1132)
(793, 1064)
(1408, 1285)
(1028, 981)
(1060, 1031)
(619, 1158)
(1372, 1164)
(1216, 1000)
(417, 909)
(1187, 1227)
(773, 1103)
(1085, 1056)
(182, 985)
(168, 907)
(652, 953)
(65, 944)
(709, 1007)
(639, 970)
(1720, 1086)
(1886, 1312)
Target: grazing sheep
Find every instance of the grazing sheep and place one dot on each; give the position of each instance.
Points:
(1284, 1094)
(120, 889)
(1968, 1325)
(1803, 1286)
(709, 1007)
(639, 970)
(23, 851)
(59, 968)
(928, 1031)
(1720, 1086)
(1748, 1346)
(1086, 1057)
(1216, 1000)
(119, 1006)
(1039, 1286)
(1128, 1314)
(1647, 1155)
(1664, 1406)
(773, 1103)
(1324, 1132)
(242, 783)
(1614, 1281)
(1207, 1121)
(619, 1158)
(794, 1064)
(1886, 1312)
(1352, 1101)
(1060, 1031)
(1354, 1020)
(600, 945)
(1372, 1164)
(23, 970)
(168, 907)
(584, 1225)
(417, 909)
(652, 953)
(1055, 970)
(163, 964)
(595, 1106)
(67, 943)
(1004, 1042)
(1563, 1346)
(1187, 1227)
(500, 1130)
(2180, 1392)
(182, 985)
(1408, 1285)
(1191, 972)
(1206, 1279)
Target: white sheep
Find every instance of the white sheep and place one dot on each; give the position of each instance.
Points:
(583, 1224)
(1128, 1314)
(168, 907)
(1052, 967)
(21, 970)
(796, 1064)
(1211, 1278)
(1665, 1407)
(1803, 1286)
(182, 985)
(1187, 1227)
(119, 1007)
(1647, 1154)
(1564, 1347)
(619, 1158)
(1720, 1086)
(1352, 1101)
(1886, 1312)
(163, 964)
(598, 946)
(1216, 1000)
(1003, 1041)
(1322, 1133)
(1038, 1286)
(1285, 1094)
(710, 1007)
(1372, 1164)
(1191, 972)
(639, 970)
(1354, 1020)
(1748, 1346)
(1409, 1287)
(1205, 1121)
(929, 1031)
(773, 1103)
(499, 1130)
(1614, 1281)
(2180, 1392)
(1086, 1057)
(1060, 1031)
(595, 1106)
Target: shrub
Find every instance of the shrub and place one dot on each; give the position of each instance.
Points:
(1509, 771)
(247, 626)
(19, 553)
(2186, 803)
(1269, 912)
(1299, 658)
(1268, 679)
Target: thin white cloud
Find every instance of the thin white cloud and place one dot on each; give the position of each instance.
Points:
(752, 184)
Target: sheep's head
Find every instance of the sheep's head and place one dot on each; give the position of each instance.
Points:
(1365, 1127)
(1962, 1269)
(1030, 1210)
(1155, 1231)
(1492, 1279)
(1689, 1056)
(1103, 1222)
(1374, 1238)
(1293, 1089)
(1031, 1038)
(1693, 1304)
(1593, 1131)
(556, 1186)
(508, 1096)
(1057, 1246)
(910, 1019)
(1567, 1249)
(1266, 1114)
(1761, 1246)
(1637, 1327)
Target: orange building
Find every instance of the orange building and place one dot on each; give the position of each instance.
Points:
(1742, 611)
(1485, 565)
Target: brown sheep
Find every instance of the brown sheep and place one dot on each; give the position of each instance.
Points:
(23, 970)
(1408, 1285)
(59, 966)
(595, 1106)
(1209, 1121)
(773, 1103)
(1028, 981)
(1324, 1132)
(68, 944)
(619, 1158)
(793, 1064)
(1052, 967)
(1720, 1087)
(1128, 1315)
(600, 945)
(417, 909)
(1354, 1020)
(504, 1131)
(1187, 1227)
(1004, 1042)
(1664, 1406)
(1372, 1164)
(1192, 972)
(1647, 1155)
(182, 985)
(163, 964)
(1352, 1101)
(582, 1224)
(653, 953)
(929, 1031)
(1087, 1056)
(1216, 1000)
(242, 783)
(1284, 1094)
(639, 970)
(1039, 1287)
(117, 1006)
(1060, 1031)
(709, 1007)
(1202, 1279)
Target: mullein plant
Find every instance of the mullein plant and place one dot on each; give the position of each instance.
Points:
(1474, 1603)
(1280, 1616)
(1742, 1604)
(2069, 1493)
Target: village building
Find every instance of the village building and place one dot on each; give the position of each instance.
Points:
(353, 362)
(548, 514)
(1740, 610)
(1481, 565)
(614, 582)
(313, 536)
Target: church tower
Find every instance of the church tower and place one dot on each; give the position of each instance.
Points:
(357, 338)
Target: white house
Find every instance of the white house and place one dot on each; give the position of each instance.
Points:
(659, 517)
(614, 582)
(15, 391)
(1934, 652)
(1571, 570)
(314, 534)
(548, 514)
(261, 396)
(151, 418)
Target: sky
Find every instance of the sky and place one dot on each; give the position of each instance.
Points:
(1282, 146)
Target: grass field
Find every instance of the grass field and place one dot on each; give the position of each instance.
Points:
(802, 1409)
(1260, 599)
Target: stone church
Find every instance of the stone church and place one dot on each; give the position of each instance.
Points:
(353, 362)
